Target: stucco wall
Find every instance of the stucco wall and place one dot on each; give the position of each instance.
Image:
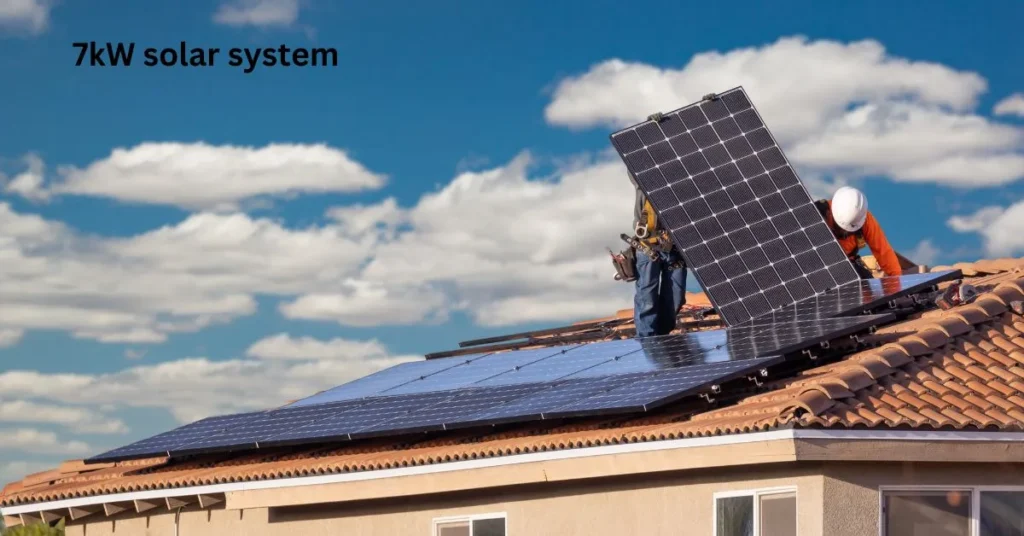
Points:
(851, 506)
(672, 505)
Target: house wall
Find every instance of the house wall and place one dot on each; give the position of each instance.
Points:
(663, 505)
(851, 506)
(675, 504)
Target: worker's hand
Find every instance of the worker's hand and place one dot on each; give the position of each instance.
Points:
(656, 117)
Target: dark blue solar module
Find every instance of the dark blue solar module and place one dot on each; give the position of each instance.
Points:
(859, 296)
(364, 415)
(657, 388)
(459, 409)
(557, 395)
(736, 209)
(374, 384)
(589, 355)
(162, 444)
(481, 369)
(268, 424)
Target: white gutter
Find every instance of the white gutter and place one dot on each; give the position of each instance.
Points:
(516, 459)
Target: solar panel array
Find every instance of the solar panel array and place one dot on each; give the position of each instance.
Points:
(604, 377)
(734, 206)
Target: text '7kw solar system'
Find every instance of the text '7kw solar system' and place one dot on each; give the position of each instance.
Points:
(735, 208)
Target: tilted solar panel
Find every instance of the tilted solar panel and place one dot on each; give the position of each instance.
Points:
(734, 206)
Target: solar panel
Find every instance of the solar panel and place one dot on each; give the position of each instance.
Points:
(376, 383)
(364, 415)
(735, 208)
(161, 444)
(860, 296)
(252, 432)
(480, 369)
(656, 389)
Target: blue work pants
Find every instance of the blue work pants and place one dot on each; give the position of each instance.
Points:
(660, 293)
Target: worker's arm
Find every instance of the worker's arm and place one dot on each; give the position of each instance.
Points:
(880, 247)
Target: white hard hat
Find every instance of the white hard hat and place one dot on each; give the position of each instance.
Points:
(849, 208)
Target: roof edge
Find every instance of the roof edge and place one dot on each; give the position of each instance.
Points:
(788, 434)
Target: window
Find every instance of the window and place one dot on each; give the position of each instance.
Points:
(953, 511)
(756, 513)
(927, 513)
(1001, 513)
(484, 525)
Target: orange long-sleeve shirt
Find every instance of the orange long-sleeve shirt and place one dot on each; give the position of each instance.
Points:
(875, 239)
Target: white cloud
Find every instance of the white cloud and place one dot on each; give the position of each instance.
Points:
(79, 420)
(10, 337)
(39, 442)
(206, 269)
(17, 470)
(32, 16)
(284, 346)
(366, 304)
(498, 243)
(838, 109)
(281, 369)
(924, 253)
(200, 176)
(257, 13)
(1012, 105)
(1002, 229)
(29, 183)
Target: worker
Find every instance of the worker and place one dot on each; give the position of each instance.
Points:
(660, 282)
(855, 227)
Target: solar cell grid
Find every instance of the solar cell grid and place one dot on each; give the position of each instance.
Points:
(564, 365)
(465, 375)
(161, 444)
(857, 297)
(725, 190)
(657, 388)
(374, 384)
(562, 394)
(264, 426)
(461, 408)
(342, 424)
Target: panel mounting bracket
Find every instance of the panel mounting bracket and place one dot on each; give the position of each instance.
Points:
(757, 381)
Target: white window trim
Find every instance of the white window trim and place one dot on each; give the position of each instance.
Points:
(474, 517)
(974, 490)
(756, 493)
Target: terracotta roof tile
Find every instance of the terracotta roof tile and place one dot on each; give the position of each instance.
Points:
(962, 368)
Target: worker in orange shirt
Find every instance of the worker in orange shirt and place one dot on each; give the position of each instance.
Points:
(855, 227)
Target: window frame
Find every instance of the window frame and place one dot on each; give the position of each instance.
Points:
(756, 494)
(974, 490)
(468, 518)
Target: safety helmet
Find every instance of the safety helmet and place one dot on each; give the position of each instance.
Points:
(849, 209)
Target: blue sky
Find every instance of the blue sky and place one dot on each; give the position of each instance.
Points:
(466, 146)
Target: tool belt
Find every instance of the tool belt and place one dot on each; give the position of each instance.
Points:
(625, 260)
